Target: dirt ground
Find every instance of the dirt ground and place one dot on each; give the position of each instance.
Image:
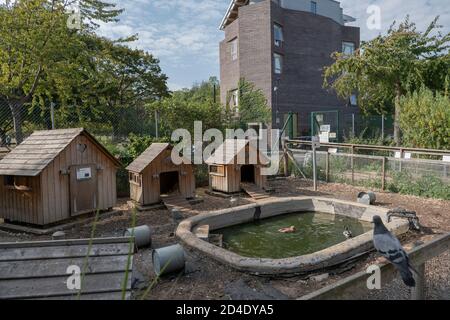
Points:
(204, 278)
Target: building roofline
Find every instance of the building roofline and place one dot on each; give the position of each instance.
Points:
(233, 6)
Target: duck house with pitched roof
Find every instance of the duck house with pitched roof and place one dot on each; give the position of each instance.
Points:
(56, 175)
(154, 174)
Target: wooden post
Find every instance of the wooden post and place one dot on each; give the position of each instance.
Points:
(383, 172)
(327, 168)
(418, 292)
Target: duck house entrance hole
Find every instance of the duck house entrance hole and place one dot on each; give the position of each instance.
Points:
(169, 182)
(248, 174)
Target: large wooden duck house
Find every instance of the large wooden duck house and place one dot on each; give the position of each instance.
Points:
(231, 167)
(55, 175)
(154, 174)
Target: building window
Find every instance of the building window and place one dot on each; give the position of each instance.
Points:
(314, 7)
(353, 100)
(217, 170)
(234, 100)
(278, 63)
(348, 48)
(135, 178)
(234, 49)
(8, 181)
(278, 35)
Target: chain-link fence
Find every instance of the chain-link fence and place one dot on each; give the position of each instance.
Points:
(376, 127)
(106, 123)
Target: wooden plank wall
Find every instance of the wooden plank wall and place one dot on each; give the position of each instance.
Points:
(161, 164)
(22, 206)
(232, 180)
(38, 270)
(55, 186)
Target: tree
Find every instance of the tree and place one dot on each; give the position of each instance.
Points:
(252, 107)
(425, 119)
(35, 44)
(182, 108)
(127, 80)
(387, 67)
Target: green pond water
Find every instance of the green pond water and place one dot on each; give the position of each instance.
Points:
(315, 231)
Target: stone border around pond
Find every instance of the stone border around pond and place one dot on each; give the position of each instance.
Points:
(326, 258)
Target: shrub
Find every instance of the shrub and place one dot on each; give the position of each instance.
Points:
(425, 119)
(428, 186)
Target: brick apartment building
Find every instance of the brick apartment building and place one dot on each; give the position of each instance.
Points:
(282, 47)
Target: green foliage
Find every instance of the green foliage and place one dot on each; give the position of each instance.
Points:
(253, 107)
(425, 119)
(184, 107)
(94, 82)
(387, 67)
(428, 186)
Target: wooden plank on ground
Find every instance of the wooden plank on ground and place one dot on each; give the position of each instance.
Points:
(254, 191)
(177, 202)
(57, 286)
(355, 286)
(39, 270)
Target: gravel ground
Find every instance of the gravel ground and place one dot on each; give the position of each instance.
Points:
(206, 279)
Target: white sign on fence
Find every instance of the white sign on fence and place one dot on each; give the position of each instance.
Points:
(446, 158)
(325, 128)
(324, 137)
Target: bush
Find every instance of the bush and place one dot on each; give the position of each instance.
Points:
(425, 119)
(428, 186)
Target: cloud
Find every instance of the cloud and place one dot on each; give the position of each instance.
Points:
(185, 35)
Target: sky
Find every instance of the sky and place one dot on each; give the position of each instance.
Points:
(185, 35)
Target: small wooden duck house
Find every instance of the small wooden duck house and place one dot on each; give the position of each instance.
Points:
(154, 174)
(230, 167)
(55, 175)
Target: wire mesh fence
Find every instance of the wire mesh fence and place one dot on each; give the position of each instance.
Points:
(416, 176)
(114, 124)
(373, 127)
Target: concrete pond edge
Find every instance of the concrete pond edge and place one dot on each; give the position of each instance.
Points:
(326, 258)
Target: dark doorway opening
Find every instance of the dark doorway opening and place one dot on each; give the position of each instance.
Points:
(168, 182)
(248, 174)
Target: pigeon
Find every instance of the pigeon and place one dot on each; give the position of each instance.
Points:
(347, 233)
(390, 247)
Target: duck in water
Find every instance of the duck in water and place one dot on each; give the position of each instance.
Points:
(291, 229)
(347, 233)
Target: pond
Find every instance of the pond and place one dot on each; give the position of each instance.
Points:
(314, 231)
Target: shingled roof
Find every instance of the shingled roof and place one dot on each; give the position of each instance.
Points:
(36, 152)
(147, 157)
(228, 150)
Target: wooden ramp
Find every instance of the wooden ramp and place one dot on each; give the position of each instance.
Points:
(41, 270)
(254, 191)
(177, 202)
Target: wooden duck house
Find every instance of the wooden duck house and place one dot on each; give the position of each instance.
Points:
(154, 174)
(55, 175)
(231, 166)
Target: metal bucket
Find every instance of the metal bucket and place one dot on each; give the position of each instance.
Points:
(169, 259)
(142, 236)
(368, 197)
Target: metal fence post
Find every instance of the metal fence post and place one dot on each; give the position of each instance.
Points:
(285, 159)
(327, 167)
(383, 171)
(382, 127)
(353, 125)
(353, 164)
(52, 115)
